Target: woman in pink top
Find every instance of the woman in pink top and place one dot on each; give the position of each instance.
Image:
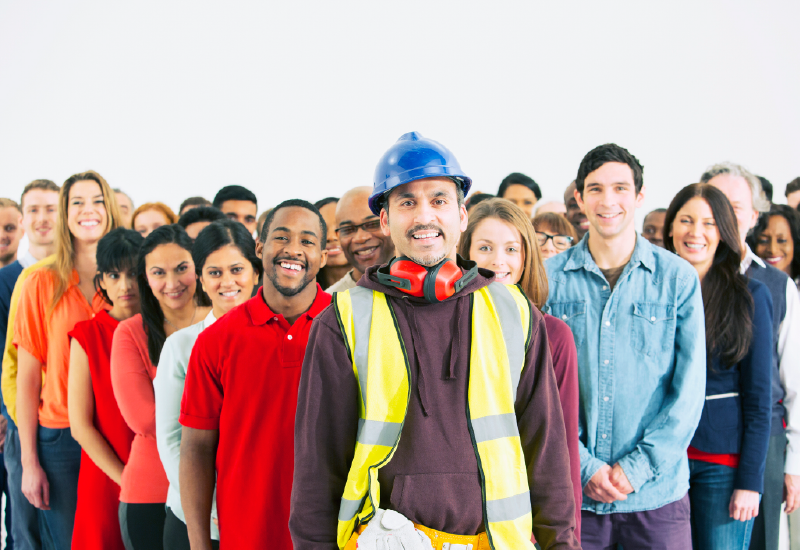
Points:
(53, 299)
(500, 237)
(167, 284)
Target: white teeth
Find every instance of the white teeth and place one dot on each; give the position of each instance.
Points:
(775, 259)
(230, 293)
(286, 265)
(501, 275)
(366, 252)
(89, 223)
(695, 246)
(608, 216)
(426, 236)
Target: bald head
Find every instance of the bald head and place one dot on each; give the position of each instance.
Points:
(363, 244)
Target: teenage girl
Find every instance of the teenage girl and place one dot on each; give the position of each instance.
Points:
(94, 416)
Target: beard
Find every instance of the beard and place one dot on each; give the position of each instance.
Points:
(7, 258)
(289, 291)
(429, 260)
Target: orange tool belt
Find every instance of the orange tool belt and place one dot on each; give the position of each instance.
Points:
(438, 538)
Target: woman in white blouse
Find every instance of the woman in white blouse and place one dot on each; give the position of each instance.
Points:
(228, 269)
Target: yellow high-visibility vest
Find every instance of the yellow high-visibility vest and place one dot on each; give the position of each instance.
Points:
(501, 332)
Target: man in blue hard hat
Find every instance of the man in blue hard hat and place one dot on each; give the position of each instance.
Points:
(428, 411)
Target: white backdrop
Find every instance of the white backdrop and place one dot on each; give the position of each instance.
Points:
(172, 99)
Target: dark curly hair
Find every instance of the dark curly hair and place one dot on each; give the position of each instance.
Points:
(792, 217)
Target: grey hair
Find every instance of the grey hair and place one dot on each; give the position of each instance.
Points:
(760, 202)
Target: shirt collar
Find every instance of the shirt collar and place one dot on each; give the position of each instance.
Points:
(260, 312)
(582, 258)
(209, 320)
(27, 260)
(749, 258)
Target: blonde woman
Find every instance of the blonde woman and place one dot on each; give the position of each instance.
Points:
(53, 299)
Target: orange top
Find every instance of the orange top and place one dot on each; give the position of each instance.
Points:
(46, 337)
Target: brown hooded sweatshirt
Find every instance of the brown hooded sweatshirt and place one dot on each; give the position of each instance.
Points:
(433, 476)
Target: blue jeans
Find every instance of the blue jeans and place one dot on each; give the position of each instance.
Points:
(60, 457)
(27, 525)
(710, 490)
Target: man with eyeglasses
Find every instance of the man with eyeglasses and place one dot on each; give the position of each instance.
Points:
(360, 236)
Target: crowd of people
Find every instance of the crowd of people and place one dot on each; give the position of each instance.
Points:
(405, 366)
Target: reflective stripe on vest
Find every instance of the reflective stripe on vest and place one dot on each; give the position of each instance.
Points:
(501, 328)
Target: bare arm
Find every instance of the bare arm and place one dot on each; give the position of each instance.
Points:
(197, 480)
(81, 415)
(35, 486)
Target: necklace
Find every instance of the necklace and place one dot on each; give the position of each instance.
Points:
(191, 321)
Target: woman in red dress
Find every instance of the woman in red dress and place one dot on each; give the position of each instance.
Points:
(95, 420)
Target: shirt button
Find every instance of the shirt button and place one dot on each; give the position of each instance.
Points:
(653, 319)
(605, 362)
(275, 318)
(605, 287)
(604, 436)
(605, 399)
(608, 323)
(564, 317)
(289, 337)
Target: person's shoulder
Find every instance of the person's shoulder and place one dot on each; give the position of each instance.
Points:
(9, 273)
(559, 261)
(556, 328)
(131, 325)
(185, 337)
(759, 291)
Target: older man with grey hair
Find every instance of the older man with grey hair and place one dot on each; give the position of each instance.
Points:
(744, 191)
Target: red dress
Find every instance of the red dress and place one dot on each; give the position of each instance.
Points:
(96, 517)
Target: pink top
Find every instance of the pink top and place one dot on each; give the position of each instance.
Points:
(132, 374)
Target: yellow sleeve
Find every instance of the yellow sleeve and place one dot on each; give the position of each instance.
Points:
(9, 379)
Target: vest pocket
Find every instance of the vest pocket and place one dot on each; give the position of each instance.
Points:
(653, 328)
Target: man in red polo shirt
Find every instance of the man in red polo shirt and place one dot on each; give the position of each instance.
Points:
(240, 396)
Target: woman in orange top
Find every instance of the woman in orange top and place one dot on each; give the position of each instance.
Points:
(167, 285)
(53, 300)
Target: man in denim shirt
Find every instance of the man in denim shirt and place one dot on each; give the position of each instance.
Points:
(636, 313)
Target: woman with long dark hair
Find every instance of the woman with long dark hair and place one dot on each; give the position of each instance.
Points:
(94, 417)
(53, 300)
(228, 269)
(728, 453)
(500, 237)
(170, 301)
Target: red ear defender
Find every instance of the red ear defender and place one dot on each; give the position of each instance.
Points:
(435, 284)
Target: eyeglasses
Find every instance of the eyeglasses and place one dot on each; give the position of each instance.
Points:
(371, 226)
(561, 242)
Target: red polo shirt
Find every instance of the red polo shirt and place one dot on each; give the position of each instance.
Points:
(242, 379)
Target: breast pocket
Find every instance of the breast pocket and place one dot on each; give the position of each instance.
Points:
(574, 314)
(653, 328)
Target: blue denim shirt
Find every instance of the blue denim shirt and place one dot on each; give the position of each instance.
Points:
(641, 365)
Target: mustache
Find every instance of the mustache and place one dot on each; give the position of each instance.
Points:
(278, 260)
(430, 226)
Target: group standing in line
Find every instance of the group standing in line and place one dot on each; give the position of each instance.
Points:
(406, 364)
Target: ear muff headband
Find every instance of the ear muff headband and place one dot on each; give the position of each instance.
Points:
(435, 284)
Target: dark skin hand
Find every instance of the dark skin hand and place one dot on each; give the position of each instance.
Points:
(197, 480)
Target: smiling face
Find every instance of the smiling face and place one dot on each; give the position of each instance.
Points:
(148, 221)
(367, 246)
(336, 257)
(695, 235)
(775, 245)
(653, 228)
(87, 218)
(170, 275)
(522, 197)
(425, 220)
(123, 291)
(39, 213)
(228, 278)
(10, 234)
(497, 245)
(292, 250)
(244, 212)
(125, 209)
(610, 200)
(738, 192)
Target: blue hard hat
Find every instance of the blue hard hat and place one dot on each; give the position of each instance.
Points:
(414, 157)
